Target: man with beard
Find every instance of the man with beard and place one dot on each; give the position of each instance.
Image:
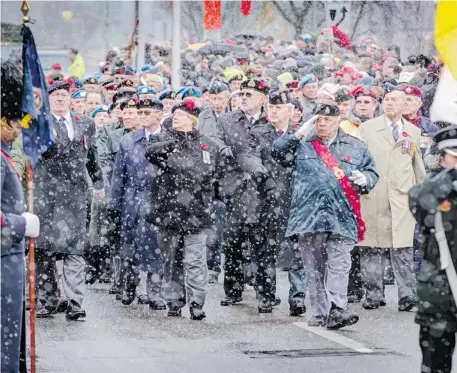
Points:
(60, 200)
(273, 210)
(236, 186)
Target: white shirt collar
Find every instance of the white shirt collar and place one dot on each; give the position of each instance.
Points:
(399, 123)
(255, 116)
(149, 133)
(66, 116)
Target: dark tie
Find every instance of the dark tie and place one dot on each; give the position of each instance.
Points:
(395, 133)
(63, 127)
(280, 132)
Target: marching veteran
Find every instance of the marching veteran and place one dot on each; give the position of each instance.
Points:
(395, 145)
(331, 171)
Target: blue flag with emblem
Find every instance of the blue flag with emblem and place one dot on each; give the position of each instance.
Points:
(36, 124)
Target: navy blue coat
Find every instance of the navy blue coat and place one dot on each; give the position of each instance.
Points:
(318, 201)
(131, 187)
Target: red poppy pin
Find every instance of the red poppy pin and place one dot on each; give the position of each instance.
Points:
(405, 134)
(347, 158)
(190, 105)
(204, 147)
(261, 84)
(294, 126)
(51, 81)
(77, 118)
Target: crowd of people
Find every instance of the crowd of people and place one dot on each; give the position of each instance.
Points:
(276, 154)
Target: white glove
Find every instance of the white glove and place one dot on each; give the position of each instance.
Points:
(306, 128)
(98, 194)
(358, 178)
(32, 225)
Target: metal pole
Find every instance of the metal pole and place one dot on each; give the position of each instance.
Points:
(176, 46)
(137, 18)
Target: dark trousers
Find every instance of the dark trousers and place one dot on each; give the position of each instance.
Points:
(98, 258)
(215, 239)
(355, 278)
(437, 350)
(239, 239)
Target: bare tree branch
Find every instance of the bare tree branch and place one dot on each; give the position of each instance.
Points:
(283, 13)
(359, 17)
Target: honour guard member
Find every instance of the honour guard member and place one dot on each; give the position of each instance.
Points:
(434, 205)
(16, 224)
(331, 171)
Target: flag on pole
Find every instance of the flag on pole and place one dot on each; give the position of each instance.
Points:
(36, 123)
(446, 33)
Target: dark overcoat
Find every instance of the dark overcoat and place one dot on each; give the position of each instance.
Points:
(61, 187)
(132, 184)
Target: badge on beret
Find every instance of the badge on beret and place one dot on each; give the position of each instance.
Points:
(173, 95)
(191, 91)
(92, 81)
(283, 97)
(128, 83)
(408, 90)
(251, 84)
(146, 103)
(132, 103)
(327, 110)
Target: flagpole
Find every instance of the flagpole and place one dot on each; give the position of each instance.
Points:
(25, 8)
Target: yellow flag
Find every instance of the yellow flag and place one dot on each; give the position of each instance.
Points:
(446, 33)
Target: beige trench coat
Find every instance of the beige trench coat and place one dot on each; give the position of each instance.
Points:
(385, 210)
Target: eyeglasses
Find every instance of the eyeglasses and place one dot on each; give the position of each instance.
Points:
(246, 94)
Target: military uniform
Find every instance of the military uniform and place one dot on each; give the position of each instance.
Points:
(437, 310)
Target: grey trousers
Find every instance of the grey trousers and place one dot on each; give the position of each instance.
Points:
(327, 259)
(372, 264)
(185, 276)
(47, 284)
(150, 285)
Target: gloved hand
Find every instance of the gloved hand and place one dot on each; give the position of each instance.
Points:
(170, 145)
(32, 225)
(358, 178)
(98, 195)
(227, 153)
(260, 173)
(306, 128)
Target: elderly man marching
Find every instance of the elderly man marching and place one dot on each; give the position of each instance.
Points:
(395, 145)
(331, 171)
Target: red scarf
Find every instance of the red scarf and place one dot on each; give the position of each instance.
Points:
(414, 120)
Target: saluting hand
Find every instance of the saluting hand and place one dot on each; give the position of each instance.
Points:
(306, 128)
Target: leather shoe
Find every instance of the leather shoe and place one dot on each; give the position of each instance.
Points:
(320, 320)
(174, 310)
(406, 304)
(196, 311)
(75, 312)
(371, 304)
(265, 306)
(157, 305)
(42, 312)
(297, 310)
(339, 318)
(128, 295)
(143, 299)
(114, 290)
(382, 303)
(62, 306)
(230, 301)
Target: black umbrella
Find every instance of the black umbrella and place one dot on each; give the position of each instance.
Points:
(249, 35)
(221, 49)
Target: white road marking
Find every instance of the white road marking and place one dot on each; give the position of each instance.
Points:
(335, 337)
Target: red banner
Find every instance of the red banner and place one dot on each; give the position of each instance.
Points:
(348, 189)
(212, 15)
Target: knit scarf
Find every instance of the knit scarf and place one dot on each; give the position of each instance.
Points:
(416, 120)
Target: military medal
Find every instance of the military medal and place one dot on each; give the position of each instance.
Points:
(206, 157)
(338, 172)
(445, 206)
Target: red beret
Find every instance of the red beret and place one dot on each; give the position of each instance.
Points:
(56, 66)
(345, 70)
(361, 90)
(292, 84)
(412, 90)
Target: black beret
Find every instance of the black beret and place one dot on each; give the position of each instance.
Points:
(446, 140)
(327, 110)
(59, 84)
(147, 103)
(127, 104)
(189, 106)
(167, 94)
(278, 97)
(91, 80)
(297, 105)
(217, 87)
(342, 95)
(255, 84)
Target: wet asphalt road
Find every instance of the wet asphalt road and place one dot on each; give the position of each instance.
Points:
(116, 338)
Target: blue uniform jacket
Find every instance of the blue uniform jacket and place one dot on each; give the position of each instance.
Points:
(12, 207)
(131, 185)
(318, 201)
